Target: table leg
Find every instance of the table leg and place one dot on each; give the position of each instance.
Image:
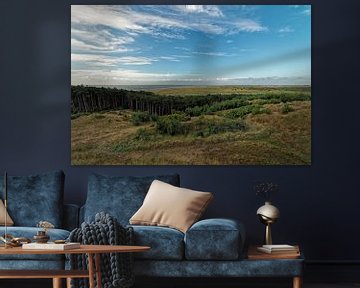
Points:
(98, 270)
(57, 283)
(297, 282)
(91, 270)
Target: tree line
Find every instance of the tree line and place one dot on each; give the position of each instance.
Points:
(86, 99)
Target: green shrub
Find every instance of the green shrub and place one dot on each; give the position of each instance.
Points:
(240, 112)
(217, 106)
(138, 118)
(203, 128)
(172, 124)
(142, 134)
(259, 110)
(287, 108)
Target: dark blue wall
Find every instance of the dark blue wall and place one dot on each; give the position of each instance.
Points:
(318, 202)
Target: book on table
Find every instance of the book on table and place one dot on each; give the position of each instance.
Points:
(51, 246)
(278, 249)
(254, 253)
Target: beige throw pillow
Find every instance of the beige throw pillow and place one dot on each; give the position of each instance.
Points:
(170, 206)
(9, 221)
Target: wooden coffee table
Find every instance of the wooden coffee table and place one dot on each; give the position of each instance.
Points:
(92, 251)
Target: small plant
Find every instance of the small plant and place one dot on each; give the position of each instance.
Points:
(265, 190)
(172, 124)
(140, 117)
(142, 135)
(287, 108)
(45, 225)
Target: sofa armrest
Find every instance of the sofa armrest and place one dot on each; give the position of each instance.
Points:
(71, 216)
(215, 239)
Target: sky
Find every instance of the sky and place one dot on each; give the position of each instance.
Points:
(191, 45)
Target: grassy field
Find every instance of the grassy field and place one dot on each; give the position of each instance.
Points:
(272, 126)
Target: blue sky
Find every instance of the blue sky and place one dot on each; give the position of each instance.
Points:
(191, 45)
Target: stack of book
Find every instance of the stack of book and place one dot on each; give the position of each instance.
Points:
(274, 252)
(279, 249)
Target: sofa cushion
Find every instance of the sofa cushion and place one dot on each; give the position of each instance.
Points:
(39, 264)
(35, 198)
(214, 239)
(170, 206)
(165, 243)
(29, 232)
(119, 196)
(9, 221)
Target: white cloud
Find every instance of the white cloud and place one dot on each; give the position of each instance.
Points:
(249, 25)
(103, 60)
(169, 58)
(210, 10)
(108, 16)
(306, 11)
(208, 28)
(166, 25)
(229, 41)
(99, 40)
(130, 60)
(135, 77)
(286, 29)
(118, 76)
(96, 60)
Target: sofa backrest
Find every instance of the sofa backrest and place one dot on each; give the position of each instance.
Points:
(119, 196)
(35, 198)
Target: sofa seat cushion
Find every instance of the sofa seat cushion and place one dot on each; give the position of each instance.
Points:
(38, 264)
(29, 232)
(214, 239)
(35, 198)
(119, 196)
(166, 243)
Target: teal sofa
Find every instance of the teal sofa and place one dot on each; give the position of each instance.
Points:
(210, 248)
(32, 199)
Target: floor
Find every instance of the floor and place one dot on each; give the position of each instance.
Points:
(247, 284)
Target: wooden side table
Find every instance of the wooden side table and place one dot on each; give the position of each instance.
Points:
(93, 251)
(254, 254)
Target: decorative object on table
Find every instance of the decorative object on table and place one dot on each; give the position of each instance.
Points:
(255, 254)
(268, 213)
(51, 246)
(41, 236)
(59, 241)
(116, 268)
(278, 249)
(11, 241)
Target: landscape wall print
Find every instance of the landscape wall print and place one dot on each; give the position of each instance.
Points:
(191, 85)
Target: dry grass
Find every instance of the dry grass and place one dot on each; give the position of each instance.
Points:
(274, 138)
(224, 90)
